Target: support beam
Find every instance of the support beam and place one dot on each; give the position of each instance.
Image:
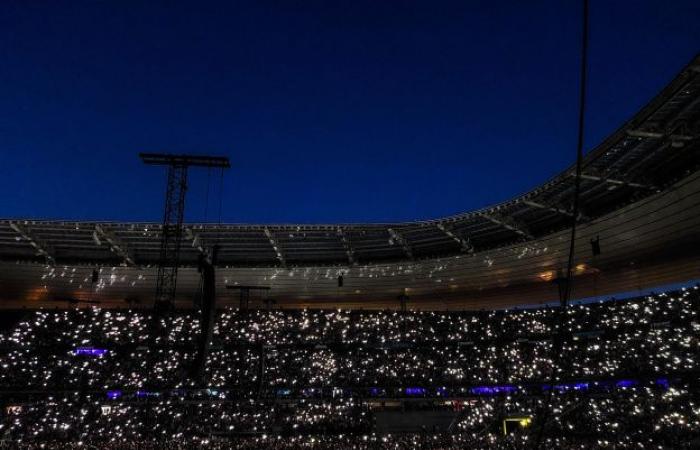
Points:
(548, 208)
(398, 239)
(403, 300)
(644, 134)
(115, 245)
(347, 246)
(166, 159)
(465, 244)
(207, 318)
(244, 301)
(657, 135)
(269, 303)
(508, 224)
(42, 249)
(275, 246)
(197, 242)
(171, 234)
(587, 176)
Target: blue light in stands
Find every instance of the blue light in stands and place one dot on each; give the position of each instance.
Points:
(147, 394)
(493, 390)
(112, 395)
(89, 351)
(310, 392)
(415, 391)
(577, 386)
(626, 383)
(377, 392)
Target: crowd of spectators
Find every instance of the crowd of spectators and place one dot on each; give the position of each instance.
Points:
(627, 418)
(291, 379)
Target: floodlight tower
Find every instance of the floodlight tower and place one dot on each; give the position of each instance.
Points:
(171, 234)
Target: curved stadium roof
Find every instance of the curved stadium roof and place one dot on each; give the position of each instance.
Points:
(640, 192)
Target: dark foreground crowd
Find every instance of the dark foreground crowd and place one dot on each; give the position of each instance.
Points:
(316, 380)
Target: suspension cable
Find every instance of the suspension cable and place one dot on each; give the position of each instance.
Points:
(565, 293)
(206, 200)
(221, 192)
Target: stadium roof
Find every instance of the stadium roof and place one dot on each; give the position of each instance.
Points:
(647, 163)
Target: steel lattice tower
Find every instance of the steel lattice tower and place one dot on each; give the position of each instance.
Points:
(171, 233)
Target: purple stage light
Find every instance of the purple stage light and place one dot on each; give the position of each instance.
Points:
(89, 351)
(377, 392)
(663, 382)
(581, 386)
(626, 383)
(113, 395)
(142, 394)
(493, 390)
(415, 391)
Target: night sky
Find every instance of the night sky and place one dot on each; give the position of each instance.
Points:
(331, 111)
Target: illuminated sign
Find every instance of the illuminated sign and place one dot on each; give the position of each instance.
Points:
(511, 424)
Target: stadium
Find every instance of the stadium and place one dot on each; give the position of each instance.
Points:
(639, 199)
(496, 328)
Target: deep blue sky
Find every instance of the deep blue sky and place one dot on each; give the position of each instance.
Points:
(330, 111)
